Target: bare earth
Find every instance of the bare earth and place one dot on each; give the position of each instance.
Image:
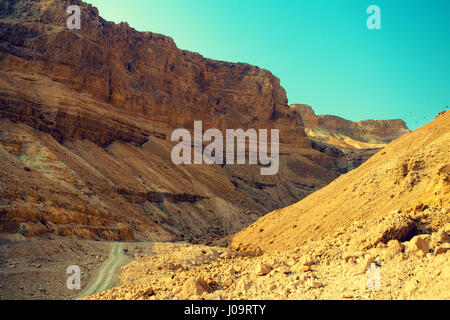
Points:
(36, 269)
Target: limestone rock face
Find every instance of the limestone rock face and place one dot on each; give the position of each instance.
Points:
(335, 130)
(349, 143)
(141, 73)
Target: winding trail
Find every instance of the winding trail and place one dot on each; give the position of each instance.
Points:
(107, 272)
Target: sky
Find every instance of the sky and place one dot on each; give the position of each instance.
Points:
(321, 50)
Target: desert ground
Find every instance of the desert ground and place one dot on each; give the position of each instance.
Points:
(357, 210)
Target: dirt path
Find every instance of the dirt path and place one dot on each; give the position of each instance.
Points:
(36, 269)
(106, 275)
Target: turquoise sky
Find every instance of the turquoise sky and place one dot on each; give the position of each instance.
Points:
(321, 50)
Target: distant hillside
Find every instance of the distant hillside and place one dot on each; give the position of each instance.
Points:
(410, 174)
(348, 134)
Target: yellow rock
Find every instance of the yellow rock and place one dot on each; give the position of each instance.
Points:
(264, 269)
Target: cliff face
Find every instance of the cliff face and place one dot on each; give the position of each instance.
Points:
(140, 73)
(398, 193)
(85, 121)
(348, 134)
(349, 143)
(85, 117)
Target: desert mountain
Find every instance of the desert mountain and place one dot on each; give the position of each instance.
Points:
(350, 143)
(399, 192)
(85, 123)
(367, 134)
(381, 231)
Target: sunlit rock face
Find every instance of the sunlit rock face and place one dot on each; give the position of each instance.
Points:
(86, 118)
(335, 130)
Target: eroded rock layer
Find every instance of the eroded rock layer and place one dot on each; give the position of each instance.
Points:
(400, 192)
(86, 118)
(367, 134)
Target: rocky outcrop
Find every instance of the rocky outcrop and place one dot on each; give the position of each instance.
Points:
(368, 134)
(349, 143)
(141, 73)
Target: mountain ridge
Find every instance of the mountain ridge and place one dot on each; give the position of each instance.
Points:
(365, 134)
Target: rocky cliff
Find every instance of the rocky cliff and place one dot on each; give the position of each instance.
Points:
(397, 194)
(85, 123)
(86, 117)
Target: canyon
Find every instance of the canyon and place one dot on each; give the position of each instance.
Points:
(85, 121)
(381, 232)
(86, 124)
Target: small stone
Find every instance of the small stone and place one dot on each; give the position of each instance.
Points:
(264, 269)
(149, 291)
(442, 249)
(393, 249)
(419, 244)
(305, 268)
(196, 287)
(396, 245)
(308, 262)
(347, 295)
(227, 283)
(440, 237)
(381, 245)
(418, 206)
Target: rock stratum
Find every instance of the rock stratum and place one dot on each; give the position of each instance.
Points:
(85, 123)
(381, 231)
(367, 134)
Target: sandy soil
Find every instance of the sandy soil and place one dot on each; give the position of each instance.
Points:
(36, 269)
(396, 270)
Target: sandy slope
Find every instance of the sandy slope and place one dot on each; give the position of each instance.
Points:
(411, 171)
(381, 231)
